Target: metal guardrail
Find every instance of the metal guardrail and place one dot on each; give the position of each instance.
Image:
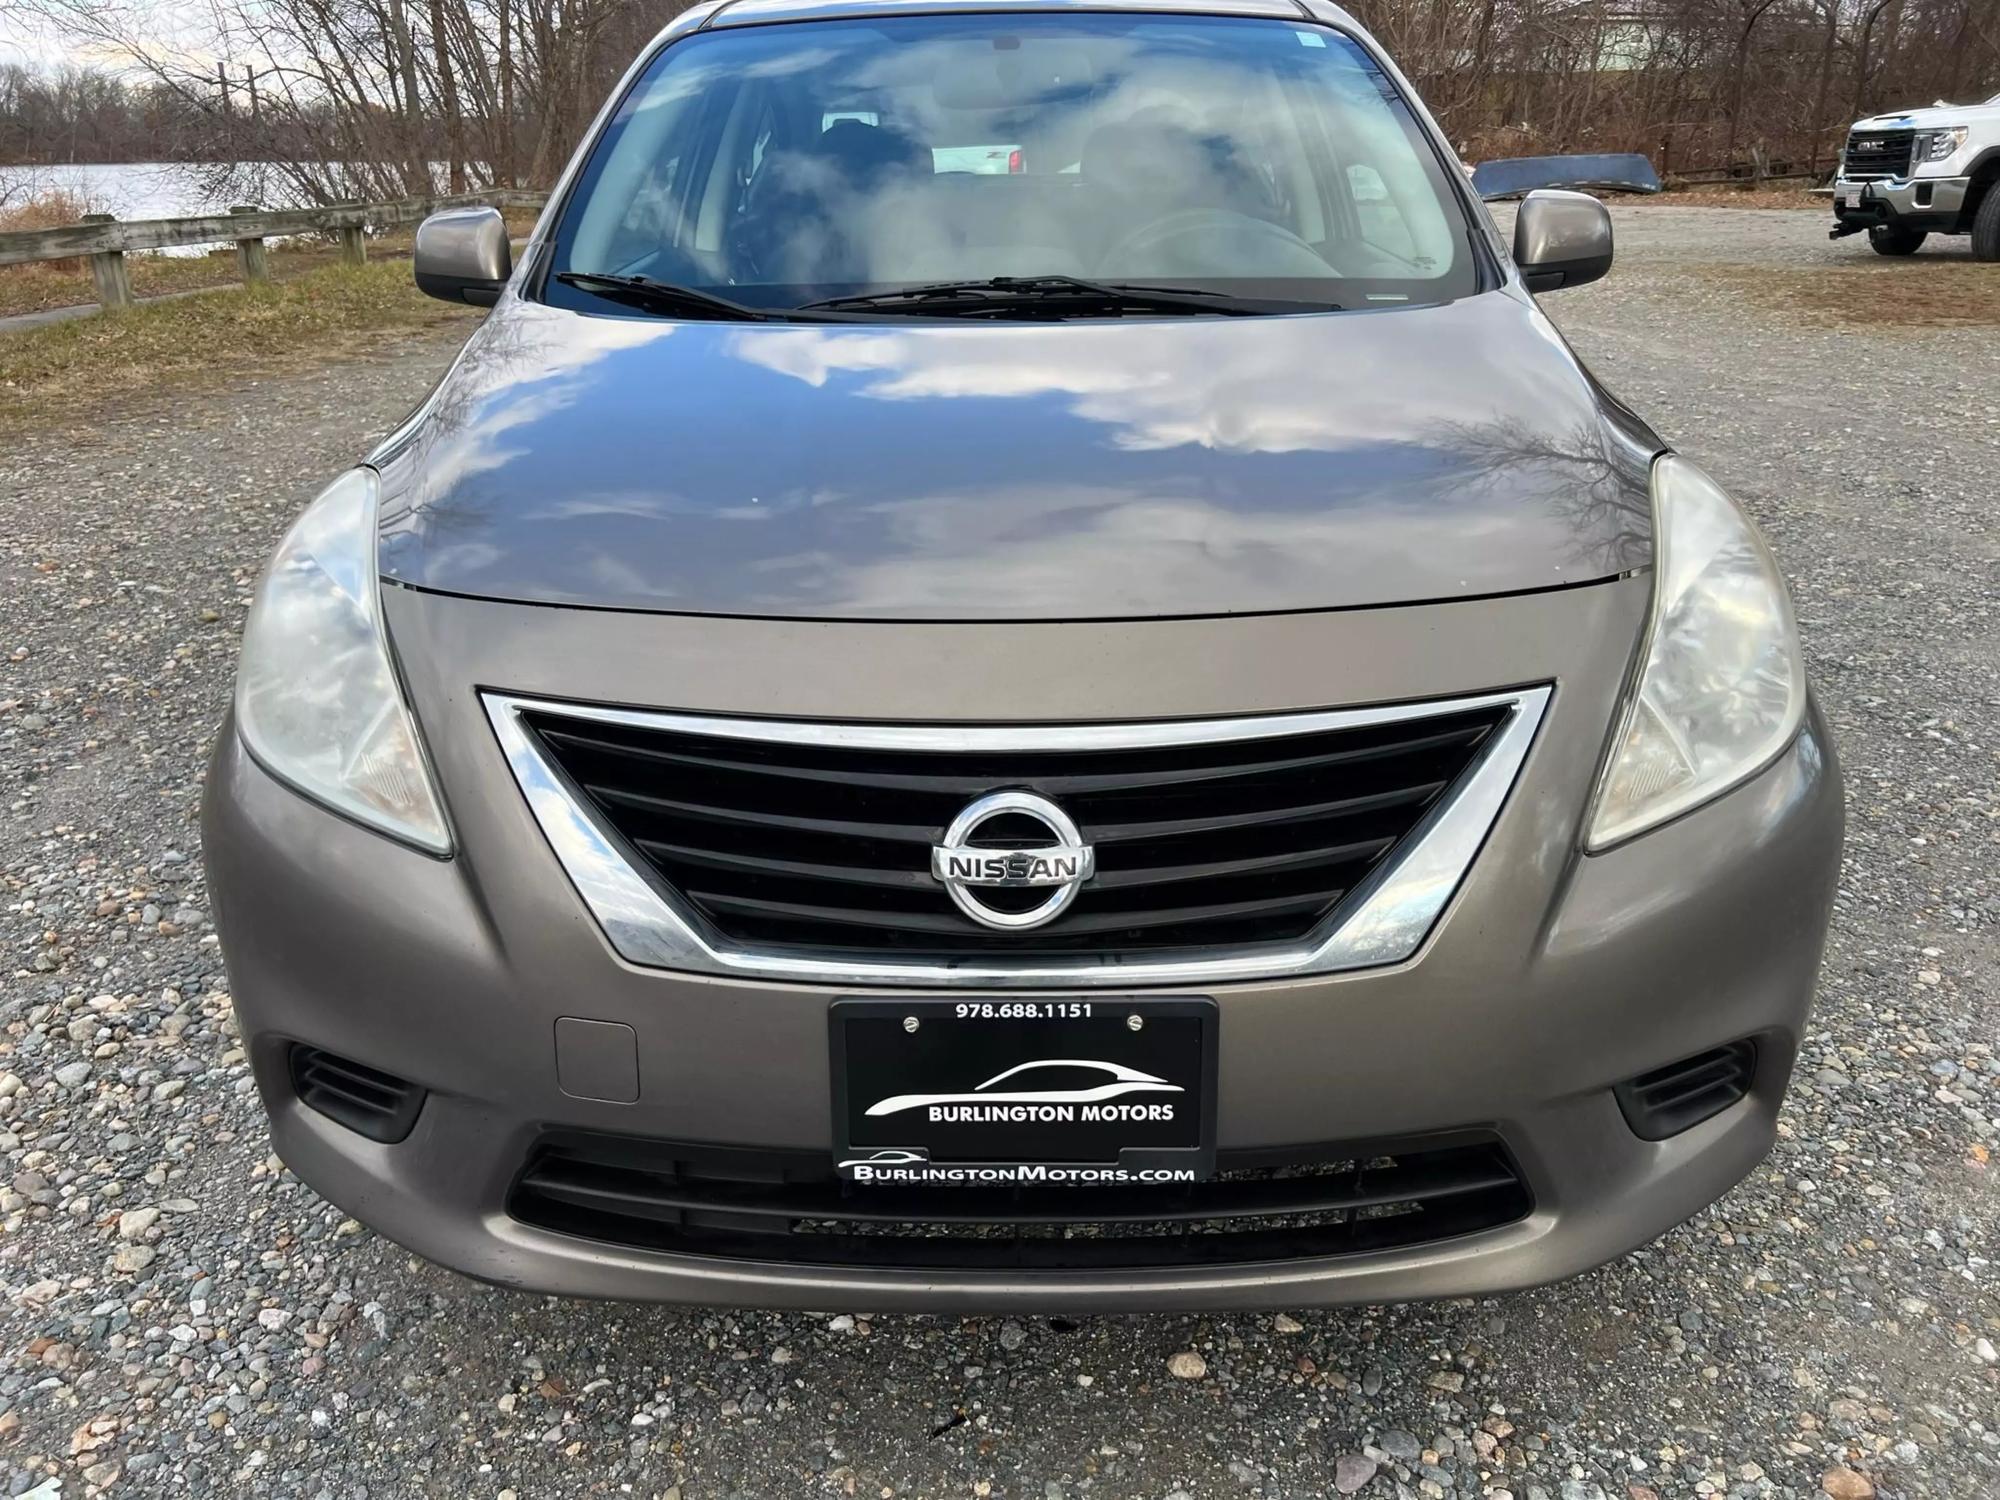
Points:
(1722, 177)
(106, 240)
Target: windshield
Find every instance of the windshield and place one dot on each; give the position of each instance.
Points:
(782, 164)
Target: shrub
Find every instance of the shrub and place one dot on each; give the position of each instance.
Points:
(45, 210)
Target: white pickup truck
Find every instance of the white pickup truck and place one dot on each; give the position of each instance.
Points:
(1907, 176)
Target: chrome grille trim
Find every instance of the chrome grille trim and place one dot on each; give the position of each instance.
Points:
(1386, 923)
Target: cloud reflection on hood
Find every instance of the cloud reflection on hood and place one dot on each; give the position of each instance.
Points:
(1287, 390)
(939, 471)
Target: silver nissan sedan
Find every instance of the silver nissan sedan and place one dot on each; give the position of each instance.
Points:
(1017, 672)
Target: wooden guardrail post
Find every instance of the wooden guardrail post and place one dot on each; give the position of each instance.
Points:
(250, 259)
(108, 272)
(354, 245)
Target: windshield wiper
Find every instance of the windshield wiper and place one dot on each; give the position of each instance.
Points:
(1058, 294)
(665, 296)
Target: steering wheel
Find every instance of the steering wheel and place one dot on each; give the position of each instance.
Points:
(1211, 242)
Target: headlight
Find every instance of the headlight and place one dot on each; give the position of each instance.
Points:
(1724, 686)
(1936, 145)
(317, 700)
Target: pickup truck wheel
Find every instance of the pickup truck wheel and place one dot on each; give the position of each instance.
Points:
(1986, 226)
(1894, 239)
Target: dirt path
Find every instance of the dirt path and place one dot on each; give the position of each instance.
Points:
(1838, 1310)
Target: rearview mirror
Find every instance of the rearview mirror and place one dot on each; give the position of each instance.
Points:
(1561, 239)
(462, 255)
(1012, 73)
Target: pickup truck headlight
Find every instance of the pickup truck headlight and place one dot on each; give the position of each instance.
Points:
(1723, 688)
(317, 698)
(1936, 145)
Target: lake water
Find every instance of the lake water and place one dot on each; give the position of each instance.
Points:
(151, 189)
(163, 189)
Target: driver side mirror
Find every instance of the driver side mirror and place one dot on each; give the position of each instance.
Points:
(462, 255)
(1561, 239)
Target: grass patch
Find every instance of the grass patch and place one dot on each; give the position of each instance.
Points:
(191, 340)
(1925, 292)
(46, 284)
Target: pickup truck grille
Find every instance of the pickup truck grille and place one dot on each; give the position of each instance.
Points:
(798, 846)
(1878, 154)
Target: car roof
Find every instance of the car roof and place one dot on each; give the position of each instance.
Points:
(759, 12)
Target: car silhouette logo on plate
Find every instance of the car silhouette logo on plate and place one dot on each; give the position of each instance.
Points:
(1119, 1080)
(1058, 859)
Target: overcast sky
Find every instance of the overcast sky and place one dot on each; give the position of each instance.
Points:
(38, 44)
(16, 46)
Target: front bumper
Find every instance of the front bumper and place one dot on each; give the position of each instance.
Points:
(1551, 978)
(1929, 203)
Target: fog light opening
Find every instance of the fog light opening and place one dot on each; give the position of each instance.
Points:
(366, 1100)
(1681, 1095)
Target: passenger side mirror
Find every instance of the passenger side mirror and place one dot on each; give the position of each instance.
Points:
(1561, 239)
(462, 255)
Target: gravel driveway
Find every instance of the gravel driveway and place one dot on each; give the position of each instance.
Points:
(181, 1316)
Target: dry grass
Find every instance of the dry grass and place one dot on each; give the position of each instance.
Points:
(1920, 293)
(45, 211)
(191, 341)
(49, 284)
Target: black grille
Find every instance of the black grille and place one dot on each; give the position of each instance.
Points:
(1878, 153)
(378, 1105)
(1244, 842)
(790, 1206)
(1681, 1095)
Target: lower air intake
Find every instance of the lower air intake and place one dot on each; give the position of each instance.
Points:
(364, 1099)
(1681, 1095)
(790, 1206)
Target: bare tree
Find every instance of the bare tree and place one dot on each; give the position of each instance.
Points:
(378, 98)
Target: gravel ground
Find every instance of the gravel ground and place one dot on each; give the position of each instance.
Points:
(181, 1316)
(1662, 233)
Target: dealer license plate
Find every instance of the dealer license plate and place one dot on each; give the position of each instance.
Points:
(997, 1091)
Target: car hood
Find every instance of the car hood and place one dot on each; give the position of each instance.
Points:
(947, 471)
(1933, 115)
